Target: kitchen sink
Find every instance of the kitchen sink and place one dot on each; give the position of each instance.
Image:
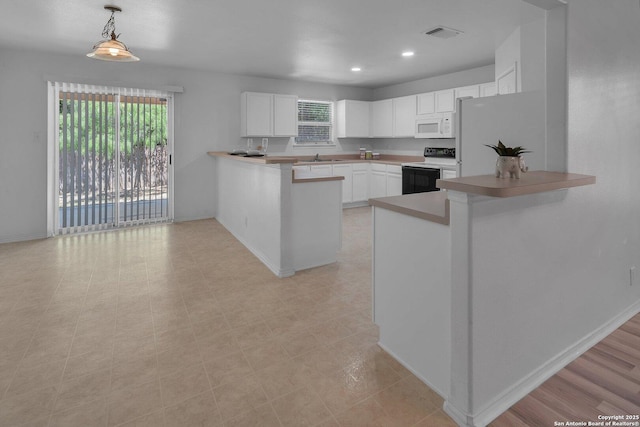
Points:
(317, 158)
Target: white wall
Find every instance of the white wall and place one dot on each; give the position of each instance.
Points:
(562, 282)
(526, 46)
(603, 81)
(207, 118)
(508, 53)
(556, 89)
(532, 57)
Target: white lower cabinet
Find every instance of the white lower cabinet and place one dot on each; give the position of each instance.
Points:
(386, 180)
(378, 184)
(346, 171)
(303, 168)
(394, 180)
(355, 187)
(378, 180)
(448, 174)
(360, 182)
(323, 170)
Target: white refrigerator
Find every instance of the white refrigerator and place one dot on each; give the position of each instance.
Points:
(515, 119)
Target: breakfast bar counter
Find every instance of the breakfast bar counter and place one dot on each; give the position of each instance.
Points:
(264, 160)
(451, 270)
(269, 210)
(529, 183)
(432, 206)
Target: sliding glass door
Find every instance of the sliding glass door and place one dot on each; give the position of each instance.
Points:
(113, 152)
(143, 159)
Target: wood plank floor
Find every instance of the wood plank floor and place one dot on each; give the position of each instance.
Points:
(603, 381)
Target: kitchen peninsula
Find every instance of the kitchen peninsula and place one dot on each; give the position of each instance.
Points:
(457, 276)
(290, 222)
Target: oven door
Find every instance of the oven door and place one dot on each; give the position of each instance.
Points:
(419, 179)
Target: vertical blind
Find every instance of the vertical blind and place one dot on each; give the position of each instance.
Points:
(113, 156)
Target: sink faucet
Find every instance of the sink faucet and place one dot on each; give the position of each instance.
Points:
(317, 157)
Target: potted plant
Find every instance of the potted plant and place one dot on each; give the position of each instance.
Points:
(510, 162)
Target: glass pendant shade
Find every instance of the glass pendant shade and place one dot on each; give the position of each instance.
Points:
(112, 50)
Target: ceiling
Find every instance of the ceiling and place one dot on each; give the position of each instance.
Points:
(310, 40)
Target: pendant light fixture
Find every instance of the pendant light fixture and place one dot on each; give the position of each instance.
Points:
(112, 49)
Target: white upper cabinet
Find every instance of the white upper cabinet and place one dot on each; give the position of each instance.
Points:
(462, 92)
(352, 118)
(267, 114)
(404, 116)
(382, 119)
(256, 118)
(426, 103)
(396, 117)
(445, 101)
(285, 115)
(488, 89)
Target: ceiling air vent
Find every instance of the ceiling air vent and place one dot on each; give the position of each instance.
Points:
(442, 32)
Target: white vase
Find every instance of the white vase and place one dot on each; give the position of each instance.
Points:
(510, 167)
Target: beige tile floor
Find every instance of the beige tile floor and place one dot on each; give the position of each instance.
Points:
(179, 325)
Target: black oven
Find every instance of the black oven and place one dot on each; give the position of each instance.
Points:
(416, 179)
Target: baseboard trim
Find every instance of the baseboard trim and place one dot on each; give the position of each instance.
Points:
(23, 237)
(349, 205)
(275, 269)
(529, 383)
(410, 369)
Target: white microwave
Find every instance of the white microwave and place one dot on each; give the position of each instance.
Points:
(438, 125)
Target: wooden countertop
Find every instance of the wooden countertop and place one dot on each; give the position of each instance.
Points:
(432, 206)
(529, 183)
(390, 159)
(299, 177)
(265, 160)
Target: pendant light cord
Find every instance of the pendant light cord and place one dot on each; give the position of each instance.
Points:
(109, 29)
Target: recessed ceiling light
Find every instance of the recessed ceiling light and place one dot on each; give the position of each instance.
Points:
(356, 69)
(408, 53)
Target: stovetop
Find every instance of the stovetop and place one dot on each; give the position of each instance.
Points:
(446, 153)
(435, 158)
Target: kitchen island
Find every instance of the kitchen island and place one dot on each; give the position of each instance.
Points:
(290, 222)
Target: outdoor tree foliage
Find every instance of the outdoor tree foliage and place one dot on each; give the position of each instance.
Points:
(88, 125)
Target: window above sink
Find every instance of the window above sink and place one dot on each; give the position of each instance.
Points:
(315, 123)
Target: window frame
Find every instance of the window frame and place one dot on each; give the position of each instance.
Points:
(331, 124)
